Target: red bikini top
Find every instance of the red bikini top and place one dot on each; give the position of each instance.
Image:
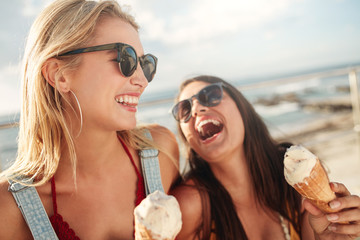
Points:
(62, 228)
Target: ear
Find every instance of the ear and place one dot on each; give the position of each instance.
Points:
(51, 72)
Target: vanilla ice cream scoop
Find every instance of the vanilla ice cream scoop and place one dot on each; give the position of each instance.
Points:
(304, 172)
(298, 163)
(158, 217)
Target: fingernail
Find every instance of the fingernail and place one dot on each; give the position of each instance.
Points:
(335, 185)
(334, 204)
(332, 217)
(331, 228)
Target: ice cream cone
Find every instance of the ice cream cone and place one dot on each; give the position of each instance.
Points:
(142, 233)
(316, 187)
(304, 171)
(157, 217)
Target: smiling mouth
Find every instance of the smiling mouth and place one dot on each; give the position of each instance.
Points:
(209, 128)
(127, 100)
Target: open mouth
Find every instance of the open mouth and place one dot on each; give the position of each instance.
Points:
(126, 100)
(209, 128)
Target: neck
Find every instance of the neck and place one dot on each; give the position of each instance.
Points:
(234, 176)
(95, 154)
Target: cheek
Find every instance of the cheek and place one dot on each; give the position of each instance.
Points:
(185, 131)
(96, 70)
(188, 133)
(234, 119)
(239, 131)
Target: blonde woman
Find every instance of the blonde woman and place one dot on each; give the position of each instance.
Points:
(79, 148)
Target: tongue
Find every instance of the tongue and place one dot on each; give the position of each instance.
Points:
(209, 129)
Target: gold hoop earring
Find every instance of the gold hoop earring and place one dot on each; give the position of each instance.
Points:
(81, 117)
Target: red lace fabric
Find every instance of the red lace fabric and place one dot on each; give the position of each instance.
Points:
(62, 228)
(140, 192)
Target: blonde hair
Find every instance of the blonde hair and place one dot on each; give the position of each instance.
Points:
(43, 132)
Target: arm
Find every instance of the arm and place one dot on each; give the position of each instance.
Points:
(169, 160)
(344, 223)
(191, 210)
(12, 223)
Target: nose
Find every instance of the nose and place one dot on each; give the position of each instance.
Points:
(197, 108)
(138, 78)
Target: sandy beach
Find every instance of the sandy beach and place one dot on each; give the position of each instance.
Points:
(336, 143)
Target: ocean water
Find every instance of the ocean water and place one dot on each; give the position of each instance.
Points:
(8, 140)
(281, 117)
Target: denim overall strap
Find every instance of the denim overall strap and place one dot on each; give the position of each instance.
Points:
(151, 168)
(32, 209)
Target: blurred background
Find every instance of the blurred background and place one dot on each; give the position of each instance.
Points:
(297, 61)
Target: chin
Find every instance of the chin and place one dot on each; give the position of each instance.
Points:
(125, 125)
(211, 154)
(130, 126)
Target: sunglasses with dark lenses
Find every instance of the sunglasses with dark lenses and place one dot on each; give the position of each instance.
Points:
(209, 96)
(126, 57)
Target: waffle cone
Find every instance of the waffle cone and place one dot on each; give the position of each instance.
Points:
(316, 188)
(142, 233)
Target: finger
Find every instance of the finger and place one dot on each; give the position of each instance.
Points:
(352, 230)
(312, 209)
(346, 216)
(339, 189)
(318, 222)
(352, 201)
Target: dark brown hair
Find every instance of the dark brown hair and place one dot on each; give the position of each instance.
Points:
(264, 158)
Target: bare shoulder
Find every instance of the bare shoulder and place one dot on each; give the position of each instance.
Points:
(168, 156)
(191, 208)
(12, 223)
(163, 137)
(188, 196)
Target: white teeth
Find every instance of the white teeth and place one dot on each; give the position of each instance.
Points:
(127, 99)
(202, 123)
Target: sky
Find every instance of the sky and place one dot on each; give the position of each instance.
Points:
(233, 39)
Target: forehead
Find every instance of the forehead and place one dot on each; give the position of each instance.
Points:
(114, 29)
(191, 89)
